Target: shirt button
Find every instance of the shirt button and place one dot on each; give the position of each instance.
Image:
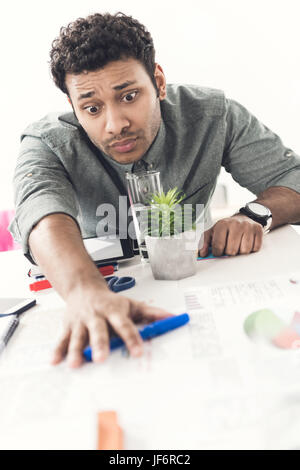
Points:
(150, 166)
(288, 153)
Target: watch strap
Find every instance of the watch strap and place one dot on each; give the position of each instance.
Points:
(261, 220)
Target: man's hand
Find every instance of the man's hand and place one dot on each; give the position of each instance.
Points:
(92, 309)
(232, 236)
(91, 313)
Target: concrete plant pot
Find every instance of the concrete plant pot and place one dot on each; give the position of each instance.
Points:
(172, 258)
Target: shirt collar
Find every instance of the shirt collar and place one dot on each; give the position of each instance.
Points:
(69, 118)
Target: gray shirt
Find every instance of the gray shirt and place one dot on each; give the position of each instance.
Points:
(59, 169)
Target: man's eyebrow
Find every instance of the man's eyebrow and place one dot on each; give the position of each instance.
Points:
(124, 85)
(89, 94)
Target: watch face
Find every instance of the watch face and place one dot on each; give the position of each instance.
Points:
(259, 209)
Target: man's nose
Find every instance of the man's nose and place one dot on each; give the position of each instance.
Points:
(116, 121)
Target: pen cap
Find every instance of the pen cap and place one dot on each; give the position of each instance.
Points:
(167, 324)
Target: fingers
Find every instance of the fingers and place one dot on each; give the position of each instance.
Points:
(258, 240)
(71, 344)
(126, 329)
(219, 239)
(247, 243)
(99, 339)
(143, 312)
(233, 241)
(206, 243)
(78, 341)
(236, 235)
(61, 349)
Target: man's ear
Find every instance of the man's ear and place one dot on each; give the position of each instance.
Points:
(69, 99)
(160, 82)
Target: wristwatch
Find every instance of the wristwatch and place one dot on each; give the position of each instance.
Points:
(259, 213)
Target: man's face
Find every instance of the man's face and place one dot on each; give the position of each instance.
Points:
(118, 107)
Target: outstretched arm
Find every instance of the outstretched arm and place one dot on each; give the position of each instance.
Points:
(57, 246)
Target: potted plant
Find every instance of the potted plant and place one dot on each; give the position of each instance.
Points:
(170, 236)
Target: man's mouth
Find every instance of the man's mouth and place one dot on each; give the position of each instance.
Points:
(124, 146)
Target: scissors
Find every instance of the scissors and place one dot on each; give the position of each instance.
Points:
(117, 284)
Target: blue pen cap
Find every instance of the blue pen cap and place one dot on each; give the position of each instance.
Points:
(170, 323)
(167, 324)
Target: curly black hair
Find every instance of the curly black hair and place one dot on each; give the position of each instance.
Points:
(92, 42)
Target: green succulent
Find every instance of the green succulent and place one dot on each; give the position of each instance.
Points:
(167, 216)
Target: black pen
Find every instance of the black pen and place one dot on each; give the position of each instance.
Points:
(8, 333)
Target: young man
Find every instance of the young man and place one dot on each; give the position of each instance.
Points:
(126, 118)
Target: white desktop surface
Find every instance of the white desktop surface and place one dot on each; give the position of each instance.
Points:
(163, 400)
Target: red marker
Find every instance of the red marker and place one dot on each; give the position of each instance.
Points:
(44, 284)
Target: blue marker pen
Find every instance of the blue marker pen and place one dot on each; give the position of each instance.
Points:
(147, 332)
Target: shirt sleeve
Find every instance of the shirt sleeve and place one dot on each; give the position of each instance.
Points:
(41, 187)
(254, 155)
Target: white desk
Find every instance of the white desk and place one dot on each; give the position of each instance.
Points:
(163, 400)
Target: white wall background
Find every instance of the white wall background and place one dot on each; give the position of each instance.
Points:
(250, 49)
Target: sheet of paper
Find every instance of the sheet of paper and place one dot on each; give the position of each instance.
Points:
(230, 305)
(230, 294)
(225, 390)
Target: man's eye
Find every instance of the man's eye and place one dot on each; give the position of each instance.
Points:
(130, 97)
(92, 109)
